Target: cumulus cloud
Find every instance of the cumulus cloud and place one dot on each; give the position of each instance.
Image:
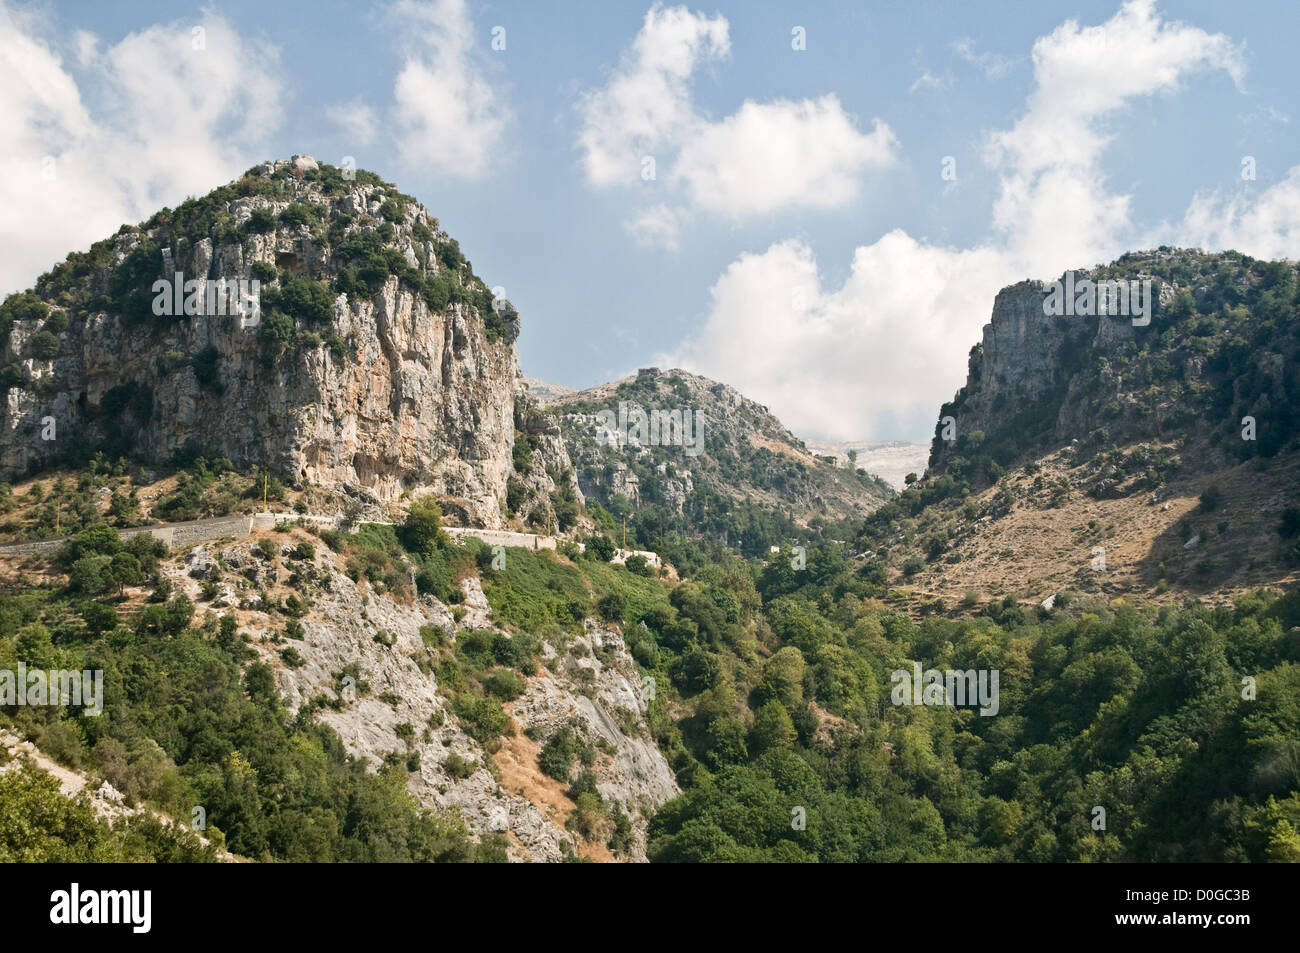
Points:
(1266, 225)
(877, 356)
(174, 110)
(764, 158)
(646, 105)
(772, 156)
(447, 115)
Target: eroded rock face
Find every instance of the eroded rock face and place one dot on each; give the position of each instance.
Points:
(1028, 365)
(394, 704)
(386, 394)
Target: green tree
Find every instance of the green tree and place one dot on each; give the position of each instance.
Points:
(422, 529)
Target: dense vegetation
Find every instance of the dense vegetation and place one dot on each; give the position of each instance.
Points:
(788, 715)
(192, 719)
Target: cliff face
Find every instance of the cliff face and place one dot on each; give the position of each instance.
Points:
(378, 363)
(1217, 344)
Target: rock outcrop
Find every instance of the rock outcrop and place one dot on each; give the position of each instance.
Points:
(377, 362)
(394, 705)
(1039, 380)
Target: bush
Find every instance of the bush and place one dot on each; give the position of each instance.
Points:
(263, 271)
(261, 220)
(504, 684)
(300, 213)
(611, 607)
(556, 759)
(45, 345)
(516, 494)
(1210, 497)
(600, 547)
(912, 565)
(422, 528)
(206, 366)
(638, 565)
(304, 298)
(458, 767)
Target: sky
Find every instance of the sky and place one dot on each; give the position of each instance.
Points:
(814, 206)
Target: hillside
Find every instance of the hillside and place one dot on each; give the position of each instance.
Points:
(356, 685)
(313, 322)
(1169, 449)
(748, 483)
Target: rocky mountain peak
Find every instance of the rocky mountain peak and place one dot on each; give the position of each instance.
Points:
(307, 318)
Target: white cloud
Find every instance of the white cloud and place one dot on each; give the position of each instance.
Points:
(647, 104)
(356, 120)
(764, 158)
(877, 356)
(771, 156)
(927, 80)
(446, 113)
(991, 65)
(657, 226)
(166, 121)
(1266, 225)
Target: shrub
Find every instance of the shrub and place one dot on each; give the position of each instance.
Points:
(300, 213)
(638, 565)
(261, 220)
(912, 565)
(45, 345)
(263, 271)
(458, 767)
(503, 683)
(422, 528)
(600, 547)
(611, 607)
(206, 366)
(304, 298)
(516, 494)
(556, 758)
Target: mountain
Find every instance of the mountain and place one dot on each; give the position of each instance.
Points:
(1166, 451)
(545, 392)
(745, 481)
(891, 460)
(345, 681)
(368, 357)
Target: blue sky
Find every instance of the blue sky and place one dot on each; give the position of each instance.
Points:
(842, 286)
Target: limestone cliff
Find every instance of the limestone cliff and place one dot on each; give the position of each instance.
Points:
(367, 357)
(1215, 347)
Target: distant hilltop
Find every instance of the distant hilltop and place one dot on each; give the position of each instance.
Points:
(891, 460)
